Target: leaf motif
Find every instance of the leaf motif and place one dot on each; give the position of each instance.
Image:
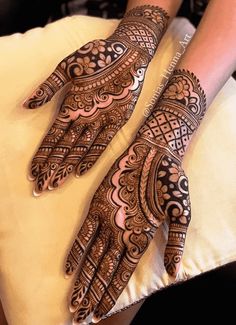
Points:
(102, 56)
(165, 163)
(162, 173)
(177, 193)
(71, 59)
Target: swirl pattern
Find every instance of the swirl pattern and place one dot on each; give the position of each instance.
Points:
(145, 186)
(106, 77)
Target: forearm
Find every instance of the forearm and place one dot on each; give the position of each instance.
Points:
(170, 6)
(211, 54)
(145, 23)
(204, 68)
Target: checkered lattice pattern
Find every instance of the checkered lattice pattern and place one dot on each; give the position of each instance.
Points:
(138, 35)
(168, 128)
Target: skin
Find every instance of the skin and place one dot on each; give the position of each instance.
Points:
(44, 94)
(146, 185)
(119, 212)
(106, 77)
(215, 66)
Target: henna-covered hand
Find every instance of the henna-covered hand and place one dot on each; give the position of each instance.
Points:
(106, 78)
(145, 186)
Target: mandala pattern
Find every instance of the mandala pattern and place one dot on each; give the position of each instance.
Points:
(106, 79)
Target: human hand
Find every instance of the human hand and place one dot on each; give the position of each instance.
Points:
(143, 188)
(106, 78)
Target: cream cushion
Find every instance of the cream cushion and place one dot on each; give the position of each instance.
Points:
(36, 233)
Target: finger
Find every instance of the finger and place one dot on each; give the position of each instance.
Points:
(48, 88)
(54, 161)
(100, 282)
(174, 248)
(115, 288)
(97, 148)
(82, 242)
(88, 269)
(179, 220)
(55, 133)
(75, 154)
(113, 121)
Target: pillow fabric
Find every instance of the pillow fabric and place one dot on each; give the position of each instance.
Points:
(36, 233)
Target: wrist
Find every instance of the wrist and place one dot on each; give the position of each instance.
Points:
(178, 113)
(142, 27)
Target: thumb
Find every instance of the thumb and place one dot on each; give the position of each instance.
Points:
(48, 88)
(174, 248)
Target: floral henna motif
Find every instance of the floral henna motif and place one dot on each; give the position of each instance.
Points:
(143, 188)
(178, 113)
(93, 104)
(106, 79)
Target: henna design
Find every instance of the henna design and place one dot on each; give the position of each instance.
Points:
(145, 186)
(106, 79)
(146, 32)
(178, 113)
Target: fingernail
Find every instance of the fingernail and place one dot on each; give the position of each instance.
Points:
(36, 194)
(25, 103)
(66, 276)
(72, 309)
(51, 188)
(31, 178)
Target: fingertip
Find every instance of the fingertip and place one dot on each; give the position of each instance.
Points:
(66, 276)
(29, 104)
(97, 316)
(25, 103)
(51, 188)
(78, 171)
(173, 270)
(83, 169)
(96, 319)
(68, 269)
(36, 193)
(80, 322)
(31, 178)
(75, 322)
(72, 309)
(54, 182)
(68, 273)
(172, 277)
